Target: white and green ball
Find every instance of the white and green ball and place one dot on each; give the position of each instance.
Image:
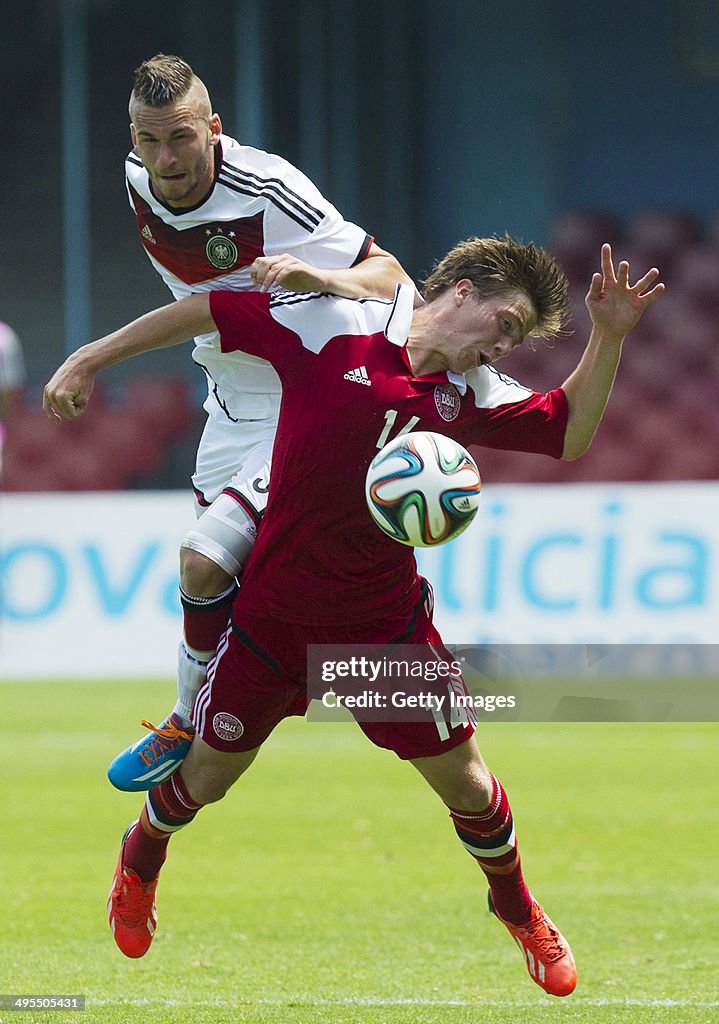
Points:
(423, 489)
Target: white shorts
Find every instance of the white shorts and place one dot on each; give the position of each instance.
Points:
(236, 457)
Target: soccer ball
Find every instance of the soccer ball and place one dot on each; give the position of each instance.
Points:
(422, 489)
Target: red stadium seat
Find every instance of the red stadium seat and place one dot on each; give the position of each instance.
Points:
(658, 237)
(712, 231)
(104, 449)
(576, 237)
(88, 468)
(130, 443)
(165, 404)
(660, 423)
(697, 277)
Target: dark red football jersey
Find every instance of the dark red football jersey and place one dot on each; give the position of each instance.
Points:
(347, 389)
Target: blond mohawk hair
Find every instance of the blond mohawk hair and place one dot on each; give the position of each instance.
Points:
(161, 80)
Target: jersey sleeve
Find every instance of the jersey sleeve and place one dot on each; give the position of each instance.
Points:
(299, 220)
(535, 424)
(334, 244)
(245, 324)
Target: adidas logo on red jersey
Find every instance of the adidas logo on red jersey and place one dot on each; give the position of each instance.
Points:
(359, 376)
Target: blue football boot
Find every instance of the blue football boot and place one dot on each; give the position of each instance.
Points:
(153, 758)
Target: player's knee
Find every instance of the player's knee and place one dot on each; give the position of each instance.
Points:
(224, 535)
(459, 777)
(473, 791)
(200, 576)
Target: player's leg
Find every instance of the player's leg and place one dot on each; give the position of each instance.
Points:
(482, 818)
(203, 778)
(212, 556)
(238, 706)
(230, 483)
(439, 741)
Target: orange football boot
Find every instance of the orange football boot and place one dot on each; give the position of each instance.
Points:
(546, 952)
(131, 908)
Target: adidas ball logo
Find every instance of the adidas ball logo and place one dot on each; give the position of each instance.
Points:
(359, 376)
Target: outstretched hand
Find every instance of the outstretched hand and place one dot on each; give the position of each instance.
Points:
(614, 305)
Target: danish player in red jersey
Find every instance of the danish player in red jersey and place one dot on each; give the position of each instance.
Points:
(321, 572)
(214, 214)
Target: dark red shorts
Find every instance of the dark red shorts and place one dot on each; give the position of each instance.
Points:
(259, 676)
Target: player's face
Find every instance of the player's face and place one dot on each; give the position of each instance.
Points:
(485, 330)
(176, 145)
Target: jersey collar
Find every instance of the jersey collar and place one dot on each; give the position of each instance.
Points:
(459, 381)
(399, 320)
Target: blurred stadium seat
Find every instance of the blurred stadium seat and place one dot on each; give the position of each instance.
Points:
(661, 423)
(164, 404)
(114, 445)
(697, 276)
(659, 237)
(575, 239)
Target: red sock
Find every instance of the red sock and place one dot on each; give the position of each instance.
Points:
(168, 808)
(489, 836)
(205, 618)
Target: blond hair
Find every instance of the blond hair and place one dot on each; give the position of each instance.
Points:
(166, 79)
(498, 266)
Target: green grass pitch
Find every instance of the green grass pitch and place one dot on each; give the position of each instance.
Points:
(329, 887)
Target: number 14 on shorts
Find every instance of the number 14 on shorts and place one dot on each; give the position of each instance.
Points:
(453, 711)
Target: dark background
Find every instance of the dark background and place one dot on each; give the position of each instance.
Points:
(423, 122)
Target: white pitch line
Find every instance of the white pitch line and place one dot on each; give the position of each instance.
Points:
(293, 1003)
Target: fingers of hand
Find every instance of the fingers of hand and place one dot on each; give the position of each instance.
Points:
(595, 288)
(271, 271)
(656, 291)
(267, 281)
(644, 282)
(48, 405)
(623, 274)
(257, 272)
(75, 407)
(621, 277)
(63, 406)
(262, 267)
(49, 411)
(607, 265)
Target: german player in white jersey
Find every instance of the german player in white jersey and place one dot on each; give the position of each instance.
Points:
(212, 214)
(322, 573)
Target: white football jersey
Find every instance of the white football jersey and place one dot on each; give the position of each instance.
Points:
(260, 205)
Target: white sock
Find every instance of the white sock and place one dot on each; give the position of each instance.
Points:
(191, 672)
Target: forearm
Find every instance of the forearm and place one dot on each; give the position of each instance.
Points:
(615, 307)
(588, 389)
(68, 391)
(162, 328)
(377, 275)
